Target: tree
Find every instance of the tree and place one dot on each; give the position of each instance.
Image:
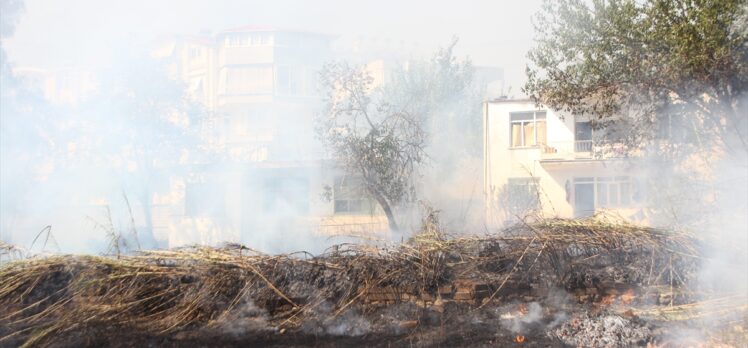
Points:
(143, 126)
(381, 142)
(633, 64)
(652, 70)
(23, 113)
(121, 143)
(426, 109)
(442, 89)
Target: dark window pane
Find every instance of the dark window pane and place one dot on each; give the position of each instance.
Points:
(582, 131)
(341, 206)
(584, 199)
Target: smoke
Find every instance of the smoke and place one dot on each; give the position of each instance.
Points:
(325, 321)
(696, 179)
(547, 314)
(124, 153)
(96, 163)
(523, 315)
(245, 317)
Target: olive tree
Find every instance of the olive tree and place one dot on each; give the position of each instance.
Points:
(664, 80)
(634, 64)
(381, 142)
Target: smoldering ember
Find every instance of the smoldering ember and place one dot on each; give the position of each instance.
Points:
(569, 173)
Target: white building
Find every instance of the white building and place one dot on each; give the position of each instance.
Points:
(537, 159)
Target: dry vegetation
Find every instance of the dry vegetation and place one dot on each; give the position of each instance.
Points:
(183, 295)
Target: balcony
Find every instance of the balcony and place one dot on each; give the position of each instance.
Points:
(568, 150)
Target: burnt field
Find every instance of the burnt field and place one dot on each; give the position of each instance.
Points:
(546, 283)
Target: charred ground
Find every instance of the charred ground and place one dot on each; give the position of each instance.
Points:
(555, 282)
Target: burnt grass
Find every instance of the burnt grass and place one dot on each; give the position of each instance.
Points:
(548, 283)
(450, 329)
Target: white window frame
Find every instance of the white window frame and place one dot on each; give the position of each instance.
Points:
(238, 40)
(522, 123)
(611, 183)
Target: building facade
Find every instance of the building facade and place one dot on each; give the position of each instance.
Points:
(537, 160)
(264, 172)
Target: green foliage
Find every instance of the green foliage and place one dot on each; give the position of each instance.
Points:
(384, 133)
(629, 63)
(370, 137)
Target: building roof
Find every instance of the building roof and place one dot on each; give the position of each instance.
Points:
(250, 28)
(199, 39)
(267, 28)
(507, 100)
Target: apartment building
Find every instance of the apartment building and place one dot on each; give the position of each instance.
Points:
(540, 160)
(268, 173)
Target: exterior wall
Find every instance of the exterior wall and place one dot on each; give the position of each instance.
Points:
(553, 165)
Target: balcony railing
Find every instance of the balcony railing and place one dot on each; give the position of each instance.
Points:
(583, 146)
(568, 150)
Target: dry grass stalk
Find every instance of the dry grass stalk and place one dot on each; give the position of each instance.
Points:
(165, 291)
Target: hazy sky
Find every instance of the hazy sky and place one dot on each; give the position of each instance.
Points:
(66, 33)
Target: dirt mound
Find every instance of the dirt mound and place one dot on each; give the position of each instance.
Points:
(430, 290)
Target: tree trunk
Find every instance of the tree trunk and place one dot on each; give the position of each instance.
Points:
(387, 211)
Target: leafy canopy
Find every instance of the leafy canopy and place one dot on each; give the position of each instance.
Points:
(383, 133)
(370, 137)
(630, 63)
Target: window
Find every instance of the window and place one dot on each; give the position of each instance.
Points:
(282, 79)
(673, 127)
(613, 192)
(350, 196)
(583, 136)
(528, 128)
(195, 52)
(287, 80)
(237, 40)
(601, 192)
(311, 85)
(522, 194)
(266, 39)
(286, 195)
(249, 80)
